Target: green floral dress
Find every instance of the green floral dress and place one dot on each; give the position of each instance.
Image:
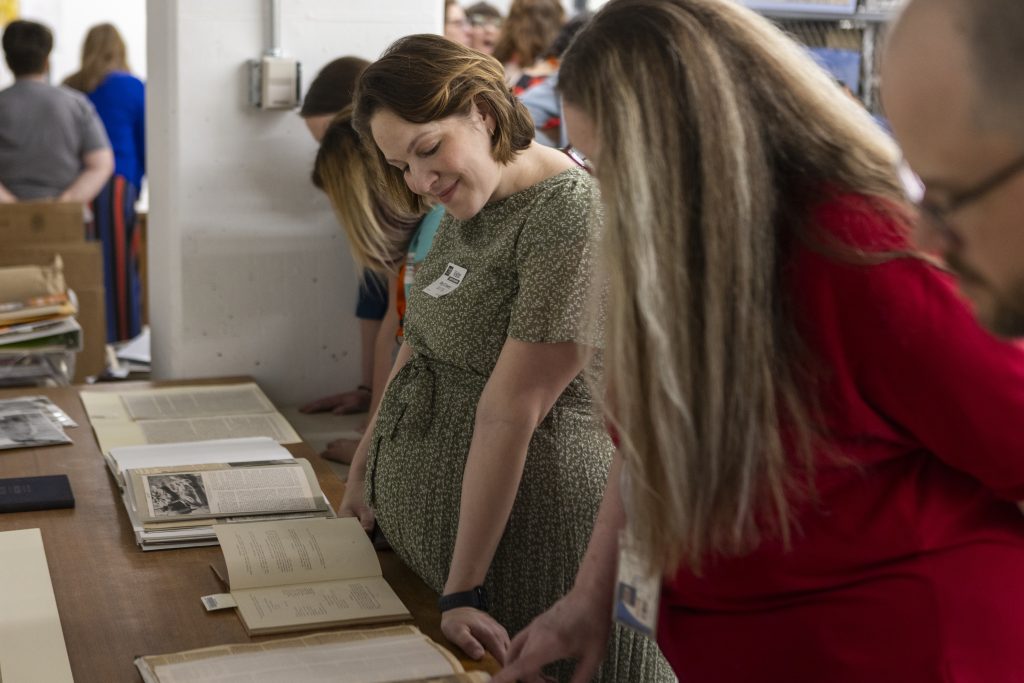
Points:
(527, 261)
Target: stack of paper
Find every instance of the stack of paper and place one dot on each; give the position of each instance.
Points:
(36, 318)
(132, 356)
(32, 421)
(176, 494)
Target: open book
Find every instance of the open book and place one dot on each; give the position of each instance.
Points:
(167, 495)
(292, 575)
(179, 414)
(387, 655)
(175, 493)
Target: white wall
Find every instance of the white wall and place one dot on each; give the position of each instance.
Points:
(249, 273)
(71, 19)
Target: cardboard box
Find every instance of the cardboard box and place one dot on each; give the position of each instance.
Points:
(83, 261)
(92, 316)
(23, 222)
(31, 233)
(83, 272)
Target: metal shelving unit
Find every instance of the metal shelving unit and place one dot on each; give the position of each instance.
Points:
(862, 30)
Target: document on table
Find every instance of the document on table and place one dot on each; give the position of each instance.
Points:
(183, 414)
(400, 653)
(299, 574)
(31, 641)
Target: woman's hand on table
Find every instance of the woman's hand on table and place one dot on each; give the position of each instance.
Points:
(475, 632)
(341, 450)
(574, 627)
(353, 504)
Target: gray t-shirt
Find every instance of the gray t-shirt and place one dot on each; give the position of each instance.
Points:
(45, 131)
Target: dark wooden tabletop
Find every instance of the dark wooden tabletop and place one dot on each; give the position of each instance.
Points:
(117, 602)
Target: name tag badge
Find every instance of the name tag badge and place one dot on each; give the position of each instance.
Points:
(448, 282)
(637, 592)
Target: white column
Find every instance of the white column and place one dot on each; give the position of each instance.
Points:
(249, 272)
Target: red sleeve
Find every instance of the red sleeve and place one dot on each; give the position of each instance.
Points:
(919, 358)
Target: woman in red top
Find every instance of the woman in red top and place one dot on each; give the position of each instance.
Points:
(820, 447)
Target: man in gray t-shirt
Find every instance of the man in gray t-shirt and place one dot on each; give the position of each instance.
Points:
(52, 143)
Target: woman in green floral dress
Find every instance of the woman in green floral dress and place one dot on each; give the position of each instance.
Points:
(485, 464)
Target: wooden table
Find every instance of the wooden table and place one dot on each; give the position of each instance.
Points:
(117, 602)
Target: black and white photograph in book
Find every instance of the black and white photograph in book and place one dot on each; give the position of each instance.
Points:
(178, 494)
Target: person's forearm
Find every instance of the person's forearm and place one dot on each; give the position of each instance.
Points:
(86, 186)
(384, 349)
(382, 365)
(6, 197)
(358, 467)
(596, 574)
(494, 468)
(368, 331)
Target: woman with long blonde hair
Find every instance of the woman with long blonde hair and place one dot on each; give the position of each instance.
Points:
(383, 239)
(120, 100)
(819, 445)
(103, 52)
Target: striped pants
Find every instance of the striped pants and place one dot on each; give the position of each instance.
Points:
(114, 225)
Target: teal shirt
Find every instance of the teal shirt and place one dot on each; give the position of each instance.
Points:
(422, 239)
(420, 245)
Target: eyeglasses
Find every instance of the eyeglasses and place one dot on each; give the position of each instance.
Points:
(939, 215)
(482, 21)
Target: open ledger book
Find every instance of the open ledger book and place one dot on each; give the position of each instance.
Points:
(387, 655)
(175, 494)
(292, 575)
(178, 414)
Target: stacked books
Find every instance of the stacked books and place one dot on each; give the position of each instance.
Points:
(176, 494)
(36, 320)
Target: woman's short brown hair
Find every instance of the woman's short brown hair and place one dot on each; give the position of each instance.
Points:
(529, 30)
(424, 78)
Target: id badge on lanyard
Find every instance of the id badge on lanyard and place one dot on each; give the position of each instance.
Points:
(637, 591)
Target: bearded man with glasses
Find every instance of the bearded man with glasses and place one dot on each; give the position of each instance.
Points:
(953, 89)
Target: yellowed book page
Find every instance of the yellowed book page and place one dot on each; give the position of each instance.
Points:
(201, 401)
(162, 494)
(343, 657)
(263, 554)
(115, 427)
(104, 405)
(110, 421)
(221, 427)
(31, 641)
(291, 608)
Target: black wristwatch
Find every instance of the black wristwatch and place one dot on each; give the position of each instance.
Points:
(475, 597)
